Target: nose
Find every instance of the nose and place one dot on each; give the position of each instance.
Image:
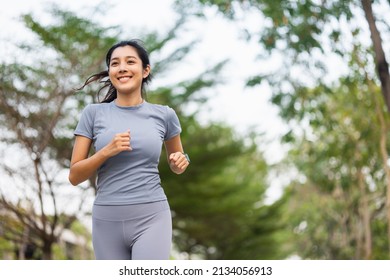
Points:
(122, 67)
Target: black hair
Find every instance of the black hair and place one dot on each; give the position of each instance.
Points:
(112, 93)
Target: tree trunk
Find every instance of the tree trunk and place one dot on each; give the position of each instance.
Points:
(23, 244)
(384, 76)
(366, 217)
(47, 251)
(385, 157)
(380, 59)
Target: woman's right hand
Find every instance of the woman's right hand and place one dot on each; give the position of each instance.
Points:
(83, 167)
(120, 143)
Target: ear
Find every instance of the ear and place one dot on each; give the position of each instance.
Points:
(146, 71)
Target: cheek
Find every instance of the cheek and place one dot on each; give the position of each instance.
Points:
(111, 75)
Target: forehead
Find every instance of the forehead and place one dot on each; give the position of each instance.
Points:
(124, 51)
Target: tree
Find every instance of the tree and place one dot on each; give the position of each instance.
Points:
(303, 27)
(339, 203)
(306, 34)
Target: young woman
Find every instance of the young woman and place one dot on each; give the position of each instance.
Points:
(131, 217)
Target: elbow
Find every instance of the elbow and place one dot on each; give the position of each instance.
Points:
(72, 179)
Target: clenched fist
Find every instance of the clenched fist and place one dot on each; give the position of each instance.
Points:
(178, 162)
(120, 143)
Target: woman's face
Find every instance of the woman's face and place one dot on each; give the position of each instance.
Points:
(126, 71)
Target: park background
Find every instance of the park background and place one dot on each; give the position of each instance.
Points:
(285, 113)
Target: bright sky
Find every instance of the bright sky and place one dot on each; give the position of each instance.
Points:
(231, 102)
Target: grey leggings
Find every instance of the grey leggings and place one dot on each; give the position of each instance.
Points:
(132, 232)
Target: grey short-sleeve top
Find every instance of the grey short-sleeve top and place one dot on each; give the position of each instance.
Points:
(130, 177)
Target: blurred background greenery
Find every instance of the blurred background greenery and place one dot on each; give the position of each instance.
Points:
(335, 203)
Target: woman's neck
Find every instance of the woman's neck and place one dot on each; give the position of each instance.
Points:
(128, 100)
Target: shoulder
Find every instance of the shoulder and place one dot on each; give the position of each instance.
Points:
(94, 107)
(160, 108)
(168, 117)
(98, 106)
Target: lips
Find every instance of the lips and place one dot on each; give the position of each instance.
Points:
(124, 79)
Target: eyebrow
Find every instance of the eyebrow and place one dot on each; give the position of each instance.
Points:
(129, 56)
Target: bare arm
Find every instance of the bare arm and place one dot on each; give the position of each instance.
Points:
(83, 167)
(176, 158)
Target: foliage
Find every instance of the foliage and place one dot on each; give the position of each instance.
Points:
(218, 206)
(338, 128)
(338, 205)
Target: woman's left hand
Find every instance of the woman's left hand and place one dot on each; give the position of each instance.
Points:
(178, 162)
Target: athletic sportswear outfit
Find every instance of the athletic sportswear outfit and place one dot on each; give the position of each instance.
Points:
(131, 218)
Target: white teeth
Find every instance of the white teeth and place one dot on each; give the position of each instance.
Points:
(124, 79)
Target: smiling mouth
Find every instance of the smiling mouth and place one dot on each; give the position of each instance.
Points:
(124, 79)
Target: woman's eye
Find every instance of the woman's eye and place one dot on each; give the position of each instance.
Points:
(131, 62)
(114, 63)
